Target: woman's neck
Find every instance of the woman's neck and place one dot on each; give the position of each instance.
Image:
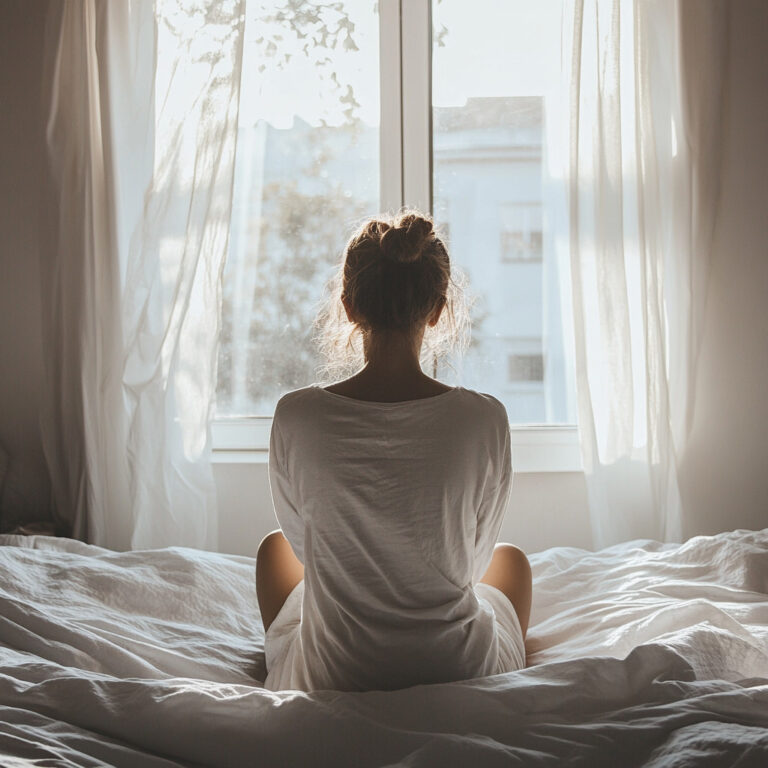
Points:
(392, 355)
(392, 371)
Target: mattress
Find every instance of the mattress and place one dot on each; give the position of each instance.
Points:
(640, 654)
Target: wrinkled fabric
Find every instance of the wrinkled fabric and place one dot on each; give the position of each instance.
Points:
(638, 653)
(641, 156)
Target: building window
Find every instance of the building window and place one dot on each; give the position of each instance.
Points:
(521, 237)
(525, 368)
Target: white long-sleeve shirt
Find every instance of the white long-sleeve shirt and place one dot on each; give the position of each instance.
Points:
(394, 510)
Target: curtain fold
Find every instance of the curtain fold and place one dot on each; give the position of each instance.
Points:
(141, 141)
(645, 84)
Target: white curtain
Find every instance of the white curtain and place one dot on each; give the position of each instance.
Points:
(645, 82)
(141, 141)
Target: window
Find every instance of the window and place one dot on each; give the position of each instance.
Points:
(492, 85)
(521, 237)
(525, 368)
(354, 107)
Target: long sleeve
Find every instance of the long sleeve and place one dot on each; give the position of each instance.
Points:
(283, 493)
(491, 512)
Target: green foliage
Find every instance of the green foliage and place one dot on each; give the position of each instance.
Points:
(302, 243)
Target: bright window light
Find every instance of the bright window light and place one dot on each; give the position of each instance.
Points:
(329, 118)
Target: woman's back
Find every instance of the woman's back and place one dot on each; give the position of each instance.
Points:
(390, 488)
(394, 509)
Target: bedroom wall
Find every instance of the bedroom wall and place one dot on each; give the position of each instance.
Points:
(24, 488)
(725, 472)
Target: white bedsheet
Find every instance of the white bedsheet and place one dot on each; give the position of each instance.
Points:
(642, 654)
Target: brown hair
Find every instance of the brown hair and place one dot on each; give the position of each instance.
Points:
(394, 273)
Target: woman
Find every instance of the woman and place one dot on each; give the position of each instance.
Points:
(390, 488)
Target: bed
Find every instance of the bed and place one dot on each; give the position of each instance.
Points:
(640, 654)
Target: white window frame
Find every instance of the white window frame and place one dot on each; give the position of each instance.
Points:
(405, 63)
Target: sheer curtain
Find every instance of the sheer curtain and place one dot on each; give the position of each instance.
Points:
(141, 141)
(645, 86)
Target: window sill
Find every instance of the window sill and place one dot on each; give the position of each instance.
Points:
(542, 448)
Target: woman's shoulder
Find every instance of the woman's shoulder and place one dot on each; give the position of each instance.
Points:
(300, 405)
(486, 403)
(295, 412)
(296, 399)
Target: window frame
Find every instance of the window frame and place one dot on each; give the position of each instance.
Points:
(406, 179)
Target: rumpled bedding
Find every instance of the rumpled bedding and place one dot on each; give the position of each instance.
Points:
(641, 654)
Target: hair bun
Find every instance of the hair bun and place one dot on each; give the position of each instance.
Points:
(406, 241)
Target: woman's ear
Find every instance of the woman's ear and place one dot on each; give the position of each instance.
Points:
(436, 312)
(347, 307)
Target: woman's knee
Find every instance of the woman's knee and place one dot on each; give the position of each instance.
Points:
(276, 561)
(513, 557)
(272, 542)
(511, 573)
(277, 573)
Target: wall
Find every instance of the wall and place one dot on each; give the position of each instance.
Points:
(725, 471)
(22, 179)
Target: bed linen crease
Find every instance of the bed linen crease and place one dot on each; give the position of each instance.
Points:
(155, 658)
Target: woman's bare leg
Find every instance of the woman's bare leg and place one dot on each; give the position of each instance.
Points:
(278, 571)
(510, 572)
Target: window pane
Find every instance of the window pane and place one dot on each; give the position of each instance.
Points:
(496, 78)
(307, 171)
